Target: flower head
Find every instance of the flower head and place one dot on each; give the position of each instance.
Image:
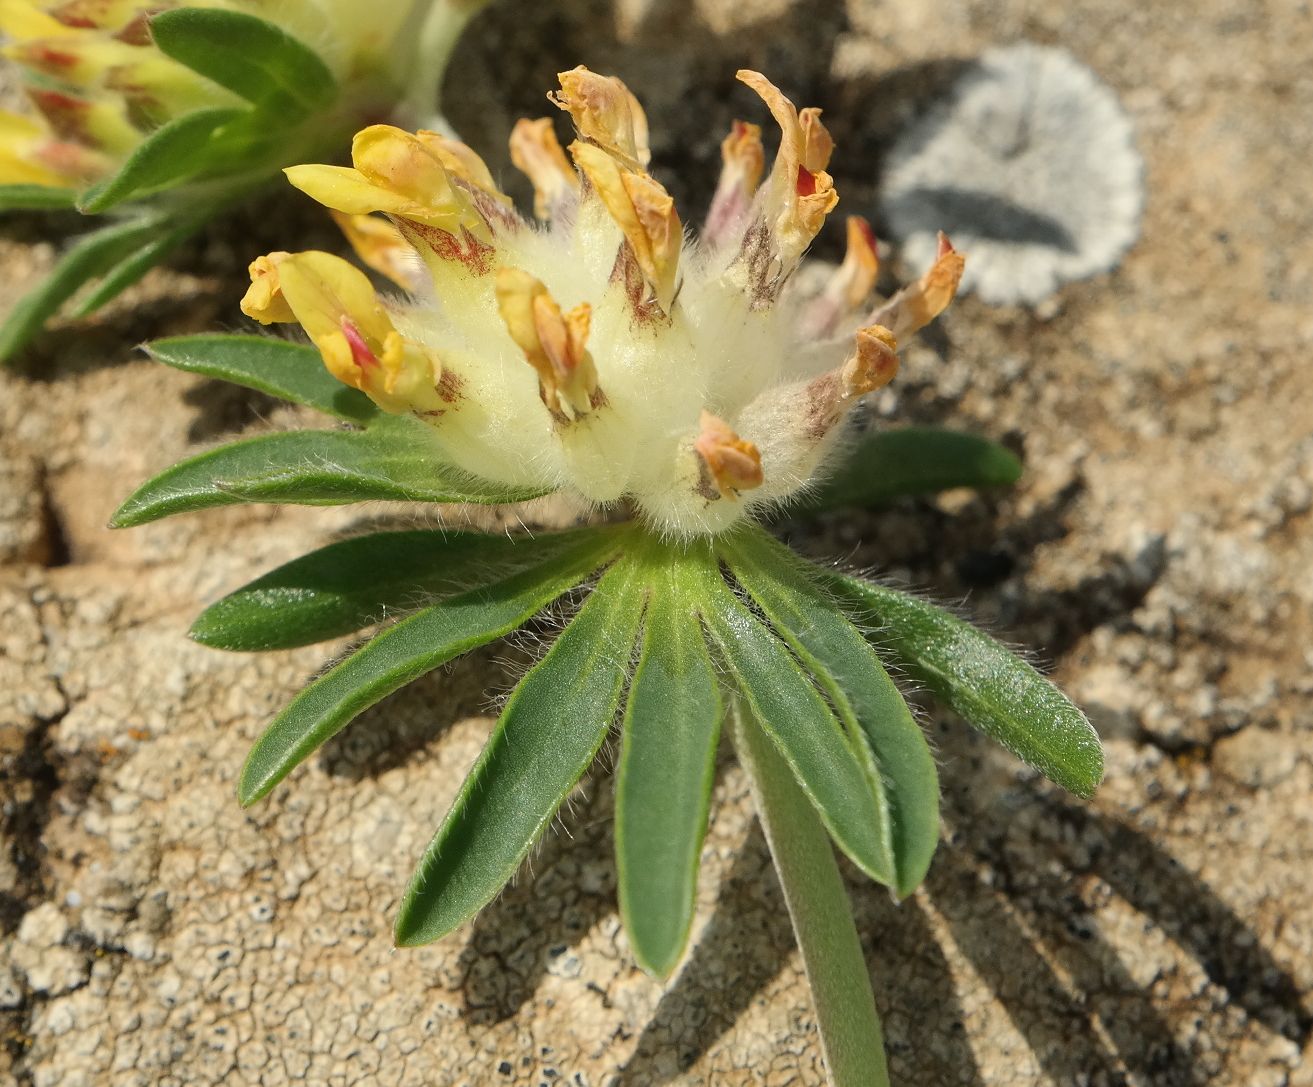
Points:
(608, 353)
(101, 81)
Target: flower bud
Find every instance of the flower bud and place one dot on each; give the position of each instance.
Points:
(742, 162)
(915, 306)
(730, 464)
(552, 341)
(606, 115)
(537, 154)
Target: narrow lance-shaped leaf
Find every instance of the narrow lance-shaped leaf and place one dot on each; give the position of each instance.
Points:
(350, 584)
(398, 462)
(91, 256)
(860, 690)
(289, 371)
(127, 271)
(846, 1016)
(36, 198)
(249, 56)
(888, 464)
(667, 764)
(180, 150)
(549, 733)
(403, 653)
(978, 678)
(813, 742)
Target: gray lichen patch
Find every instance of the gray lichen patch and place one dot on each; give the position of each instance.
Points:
(1029, 165)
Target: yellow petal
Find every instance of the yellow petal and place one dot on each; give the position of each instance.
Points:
(341, 313)
(21, 142)
(731, 464)
(264, 299)
(400, 162)
(645, 213)
(97, 123)
(554, 343)
(381, 246)
(115, 15)
(397, 173)
(606, 114)
(343, 189)
(462, 161)
(22, 20)
(76, 62)
(537, 154)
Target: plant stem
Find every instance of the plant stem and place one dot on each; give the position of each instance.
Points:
(849, 1025)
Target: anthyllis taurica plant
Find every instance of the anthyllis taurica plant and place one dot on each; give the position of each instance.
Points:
(158, 115)
(687, 383)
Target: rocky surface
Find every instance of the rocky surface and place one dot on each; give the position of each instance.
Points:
(1157, 554)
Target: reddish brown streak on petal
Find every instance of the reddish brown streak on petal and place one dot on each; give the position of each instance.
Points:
(469, 250)
(806, 182)
(67, 115)
(360, 352)
(449, 386)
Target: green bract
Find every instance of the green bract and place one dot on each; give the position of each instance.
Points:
(160, 119)
(667, 641)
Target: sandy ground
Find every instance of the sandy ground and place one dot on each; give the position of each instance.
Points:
(1156, 553)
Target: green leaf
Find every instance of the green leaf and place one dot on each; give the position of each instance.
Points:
(353, 583)
(846, 1016)
(399, 461)
(252, 58)
(978, 678)
(888, 464)
(403, 653)
(91, 256)
(136, 264)
(667, 764)
(36, 198)
(289, 371)
(901, 767)
(779, 694)
(178, 151)
(549, 733)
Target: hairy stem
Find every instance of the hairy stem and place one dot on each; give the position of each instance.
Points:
(849, 1025)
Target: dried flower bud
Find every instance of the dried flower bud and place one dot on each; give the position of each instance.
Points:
(850, 285)
(800, 194)
(552, 341)
(742, 162)
(915, 306)
(731, 464)
(873, 363)
(537, 153)
(380, 245)
(606, 115)
(645, 214)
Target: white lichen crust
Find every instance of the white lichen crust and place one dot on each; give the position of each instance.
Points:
(1031, 165)
(604, 352)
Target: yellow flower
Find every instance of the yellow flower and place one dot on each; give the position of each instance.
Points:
(344, 317)
(603, 352)
(100, 84)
